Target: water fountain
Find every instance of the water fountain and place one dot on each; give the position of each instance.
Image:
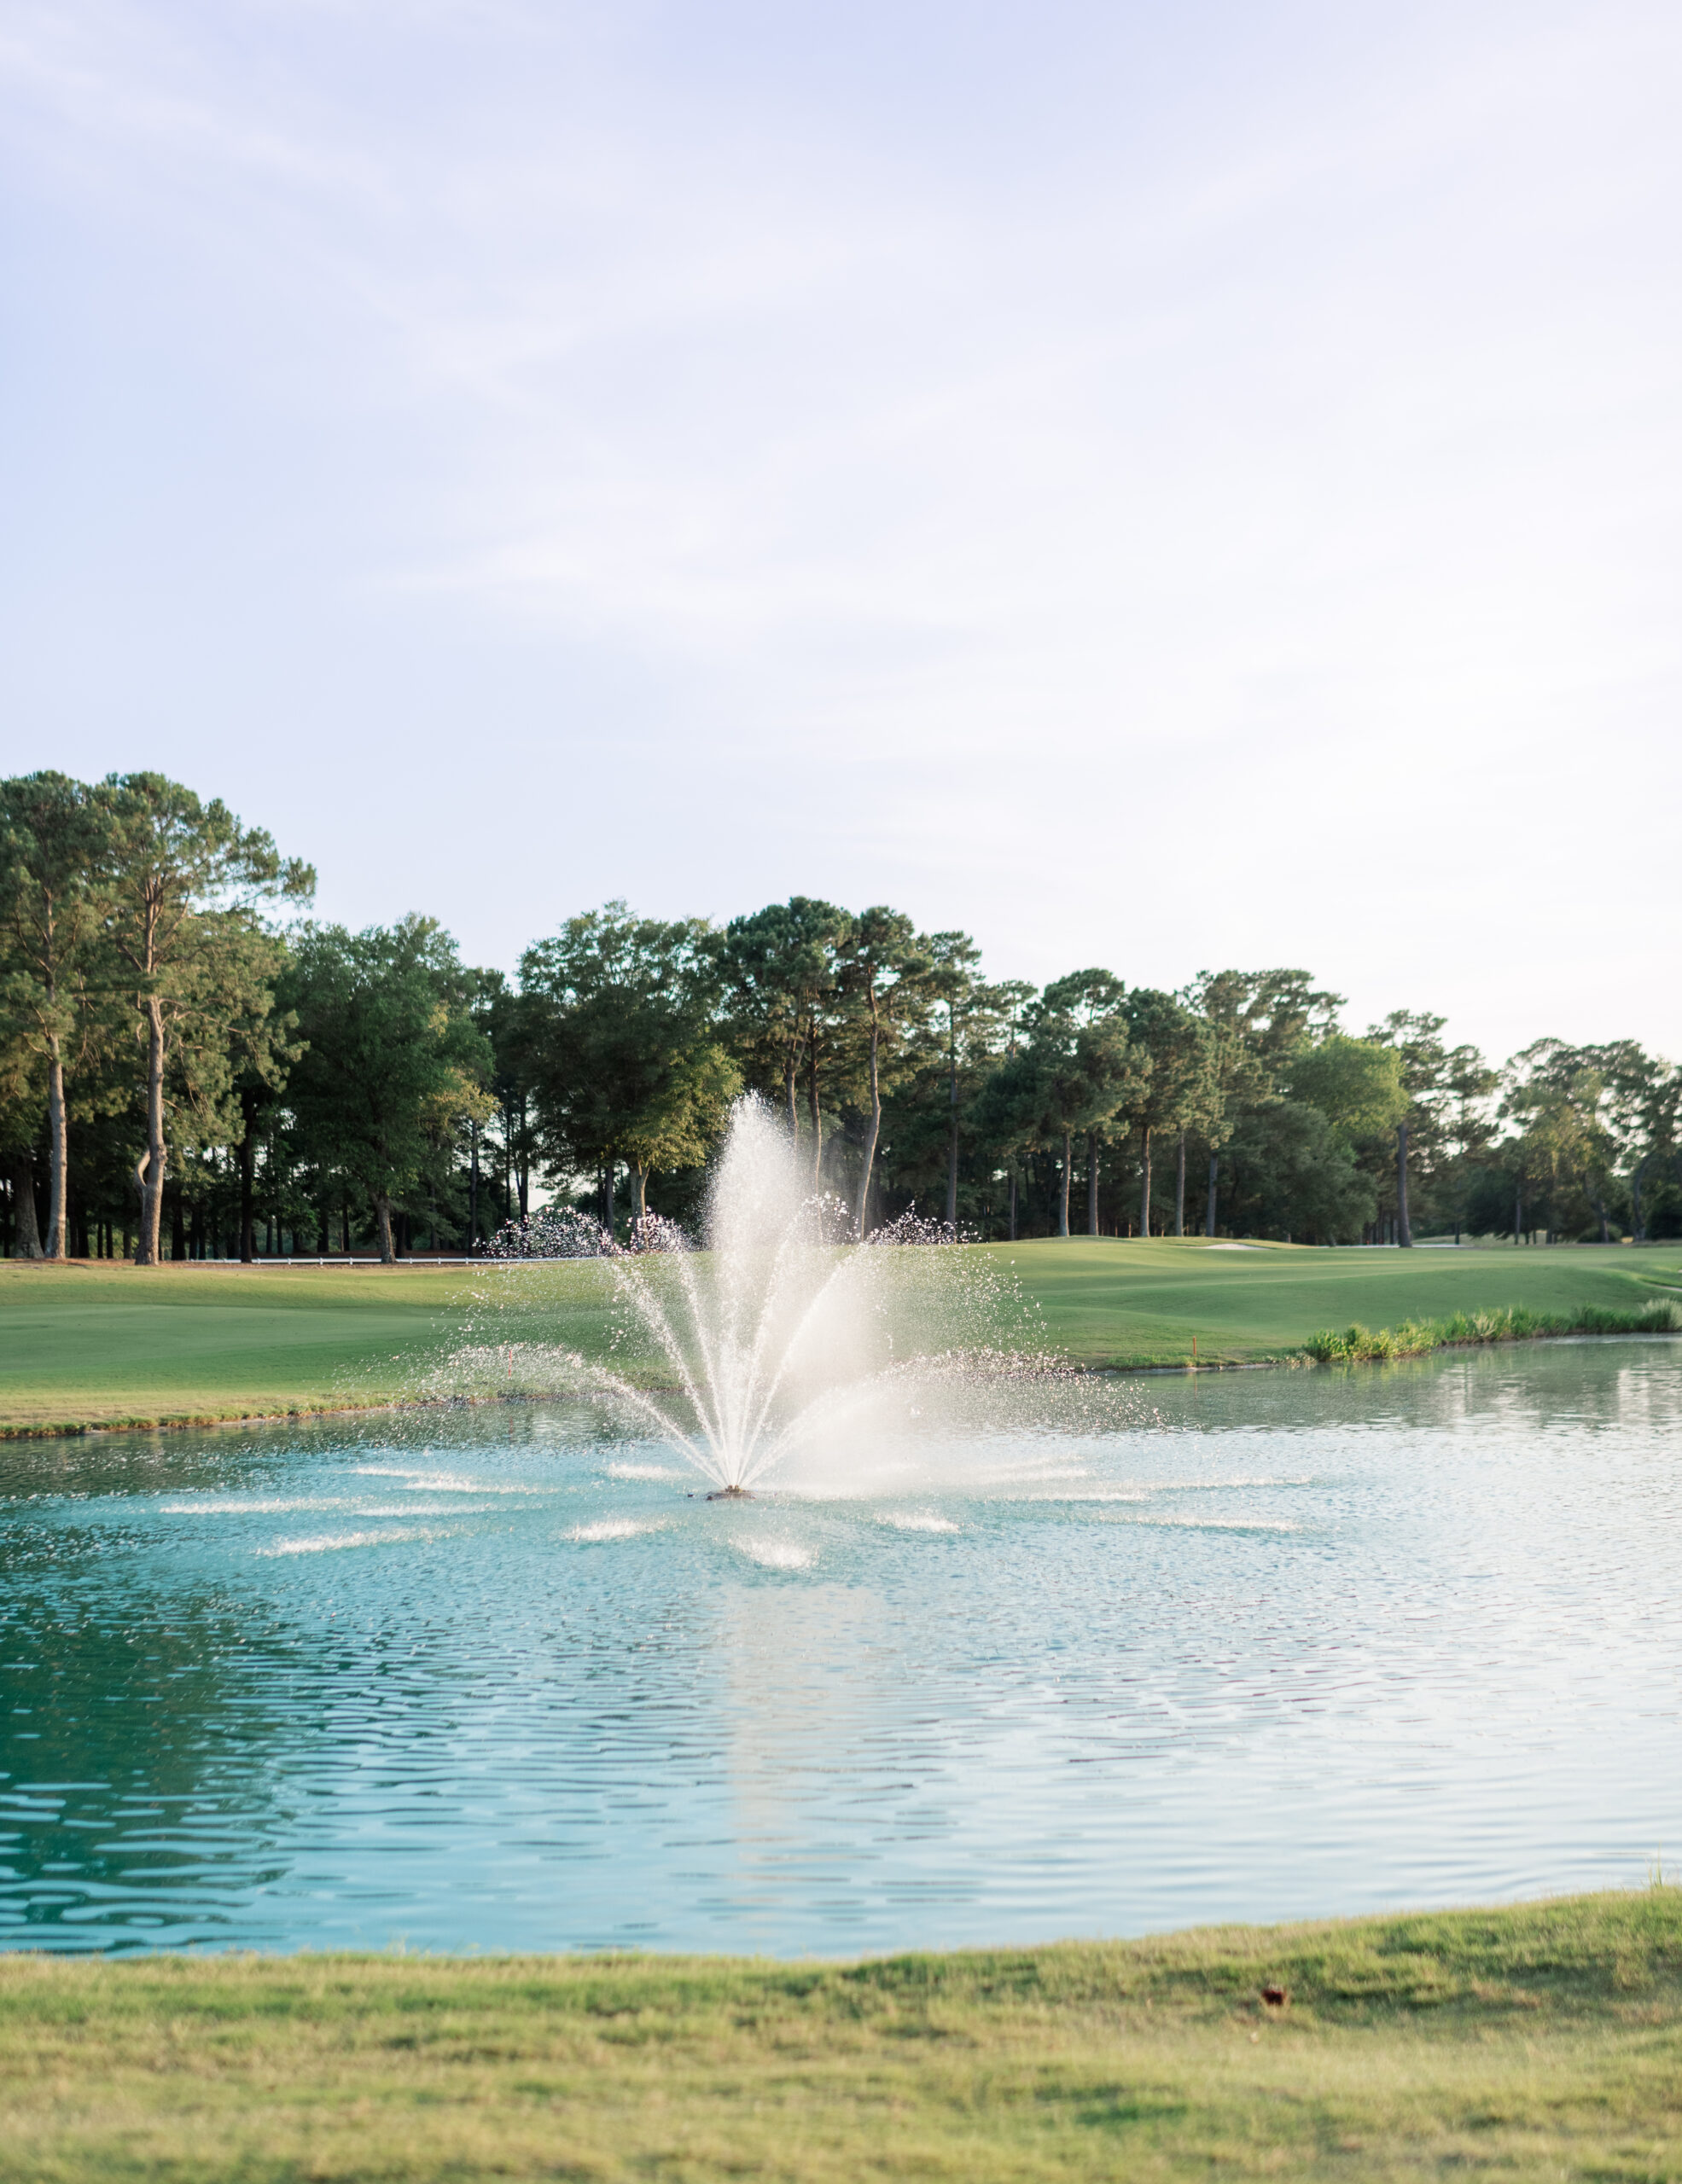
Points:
(781, 1329)
(999, 1651)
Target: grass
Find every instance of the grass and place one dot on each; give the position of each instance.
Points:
(1131, 1304)
(1357, 1343)
(1544, 2041)
(108, 1345)
(114, 1345)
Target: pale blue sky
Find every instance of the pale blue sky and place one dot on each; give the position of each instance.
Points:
(1159, 487)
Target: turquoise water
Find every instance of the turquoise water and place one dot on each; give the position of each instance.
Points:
(1248, 1646)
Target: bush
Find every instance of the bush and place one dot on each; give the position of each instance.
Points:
(1515, 1323)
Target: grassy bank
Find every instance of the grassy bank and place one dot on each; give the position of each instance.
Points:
(110, 1345)
(1540, 2041)
(1413, 1338)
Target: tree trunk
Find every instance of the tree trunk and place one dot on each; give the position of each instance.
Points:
(791, 1067)
(1145, 1183)
(952, 1137)
(608, 1197)
(150, 1170)
(1063, 1195)
(472, 1188)
(1013, 1202)
(1518, 1213)
(26, 1229)
(1404, 1233)
(522, 1166)
(1215, 1179)
(247, 1150)
(1091, 1183)
(58, 1181)
(1605, 1228)
(814, 1114)
(1180, 1189)
(382, 1215)
(639, 1196)
(875, 1130)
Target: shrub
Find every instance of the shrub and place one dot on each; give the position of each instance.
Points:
(1512, 1323)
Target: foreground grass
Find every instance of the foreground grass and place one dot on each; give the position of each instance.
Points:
(111, 1344)
(1540, 2041)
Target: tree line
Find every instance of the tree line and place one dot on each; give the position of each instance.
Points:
(191, 1066)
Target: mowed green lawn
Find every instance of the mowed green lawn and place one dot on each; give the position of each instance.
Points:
(117, 1344)
(1131, 1303)
(1540, 2041)
(112, 1344)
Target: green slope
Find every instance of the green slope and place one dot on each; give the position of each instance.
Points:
(114, 1345)
(1132, 1304)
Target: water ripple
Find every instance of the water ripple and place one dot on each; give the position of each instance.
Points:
(1293, 1644)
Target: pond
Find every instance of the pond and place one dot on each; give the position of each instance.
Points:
(1250, 1646)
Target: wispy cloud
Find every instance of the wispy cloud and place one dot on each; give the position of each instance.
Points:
(1244, 436)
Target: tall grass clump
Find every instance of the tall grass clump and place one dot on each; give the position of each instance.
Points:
(1513, 1323)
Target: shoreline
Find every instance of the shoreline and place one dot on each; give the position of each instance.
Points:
(1659, 1890)
(77, 1429)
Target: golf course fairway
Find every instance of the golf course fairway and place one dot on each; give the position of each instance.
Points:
(104, 1344)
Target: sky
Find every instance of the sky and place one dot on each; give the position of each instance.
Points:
(1158, 487)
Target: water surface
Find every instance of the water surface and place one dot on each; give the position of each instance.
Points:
(1252, 1645)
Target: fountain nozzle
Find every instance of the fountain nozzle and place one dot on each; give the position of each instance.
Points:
(731, 1494)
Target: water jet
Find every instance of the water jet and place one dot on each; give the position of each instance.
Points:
(778, 1329)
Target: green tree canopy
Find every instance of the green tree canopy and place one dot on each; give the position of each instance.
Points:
(781, 974)
(626, 1060)
(884, 968)
(1176, 1083)
(186, 881)
(1644, 1099)
(1559, 1102)
(1075, 1069)
(1357, 1084)
(1290, 1174)
(393, 1064)
(54, 902)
